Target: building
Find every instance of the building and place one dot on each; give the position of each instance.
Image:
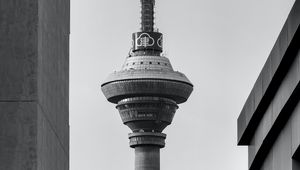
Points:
(34, 84)
(269, 123)
(147, 91)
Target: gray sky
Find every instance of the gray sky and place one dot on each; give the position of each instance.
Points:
(220, 45)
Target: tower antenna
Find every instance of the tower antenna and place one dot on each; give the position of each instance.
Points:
(147, 18)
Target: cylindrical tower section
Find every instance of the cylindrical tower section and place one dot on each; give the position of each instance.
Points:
(147, 23)
(147, 146)
(147, 158)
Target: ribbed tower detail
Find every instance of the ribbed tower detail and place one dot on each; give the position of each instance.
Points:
(147, 92)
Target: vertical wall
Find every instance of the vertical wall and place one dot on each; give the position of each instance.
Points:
(53, 84)
(269, 123)
(34, 80)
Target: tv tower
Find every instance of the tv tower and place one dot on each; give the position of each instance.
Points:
(147, 91)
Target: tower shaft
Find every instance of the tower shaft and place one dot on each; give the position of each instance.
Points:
(147, 149)
(147, 158)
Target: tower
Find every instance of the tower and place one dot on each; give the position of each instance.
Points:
(147, 91)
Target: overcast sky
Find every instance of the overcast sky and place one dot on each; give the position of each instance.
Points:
(220, 45)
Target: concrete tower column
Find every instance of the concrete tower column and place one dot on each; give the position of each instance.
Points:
(147, 158)
(147, 147)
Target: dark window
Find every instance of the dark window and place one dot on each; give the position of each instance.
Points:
(150, 62)
(133, 63)
(158, 63)
(142, 62)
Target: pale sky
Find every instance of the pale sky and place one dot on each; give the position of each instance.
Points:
(220, 45)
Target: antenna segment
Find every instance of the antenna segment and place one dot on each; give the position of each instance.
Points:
(147, 24)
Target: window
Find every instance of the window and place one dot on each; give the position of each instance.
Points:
(158, 63)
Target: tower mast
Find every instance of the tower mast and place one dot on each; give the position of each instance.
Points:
(147, 24)
(147, 92)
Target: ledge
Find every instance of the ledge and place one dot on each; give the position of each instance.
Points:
(271, 76)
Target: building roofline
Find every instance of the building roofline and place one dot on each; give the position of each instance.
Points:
(271, 76)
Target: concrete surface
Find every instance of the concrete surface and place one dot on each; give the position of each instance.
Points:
(34, 84)
(270, 119)
(147, 158)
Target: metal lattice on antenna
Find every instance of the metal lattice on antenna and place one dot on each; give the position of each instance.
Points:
(147, 18)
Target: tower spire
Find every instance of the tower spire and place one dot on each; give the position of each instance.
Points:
(147, 24)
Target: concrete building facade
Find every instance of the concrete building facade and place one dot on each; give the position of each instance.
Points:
(34, 84)
(269, 123)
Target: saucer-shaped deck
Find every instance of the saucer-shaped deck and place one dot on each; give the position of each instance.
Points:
(147, 76)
